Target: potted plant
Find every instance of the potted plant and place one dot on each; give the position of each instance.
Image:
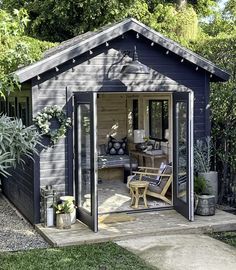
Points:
(204, 202)
(202, 165)
(63, 217)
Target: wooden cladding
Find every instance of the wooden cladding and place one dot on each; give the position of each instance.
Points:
(18, 107)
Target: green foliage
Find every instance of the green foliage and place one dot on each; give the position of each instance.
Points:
(16, 141)
(64, 207)
(68, 18)
(44, 119)
(13, 25)
(202, 155)
(222, 51)
(16, 49)
(223, 96)
(83, 257)
(226, 237)
(200, 185)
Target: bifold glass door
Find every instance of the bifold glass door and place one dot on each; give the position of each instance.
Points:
(86, 159)
(183, 154)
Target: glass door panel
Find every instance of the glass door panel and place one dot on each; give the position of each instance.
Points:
(86, 159)
(181, 122)
(183, 153)
(84, 165)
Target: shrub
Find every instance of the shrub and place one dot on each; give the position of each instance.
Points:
(16, 141)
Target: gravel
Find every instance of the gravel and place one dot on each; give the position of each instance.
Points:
(16, 233)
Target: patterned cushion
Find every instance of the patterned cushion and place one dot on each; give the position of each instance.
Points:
(152, 180)
(116, 147)
(164, 179)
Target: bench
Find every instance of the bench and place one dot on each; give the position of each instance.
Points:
(118, 161)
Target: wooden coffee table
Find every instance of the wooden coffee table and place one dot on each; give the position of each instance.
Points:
(138, 190)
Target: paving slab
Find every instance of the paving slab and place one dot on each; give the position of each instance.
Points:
(178, 252)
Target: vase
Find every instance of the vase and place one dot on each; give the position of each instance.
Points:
(212, 183)
(63, 221)
(71, 199)
(205, 205)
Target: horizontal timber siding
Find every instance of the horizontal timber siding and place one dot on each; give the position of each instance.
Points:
(101, 72)
(53, 160)
(19, 186)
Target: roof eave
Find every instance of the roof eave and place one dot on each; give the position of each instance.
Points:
(112, 32)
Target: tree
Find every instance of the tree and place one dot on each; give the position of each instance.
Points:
(16, 140)
(222, 50)
(16, 49)
(60, 20)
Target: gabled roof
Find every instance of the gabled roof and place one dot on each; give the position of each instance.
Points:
(90, 40)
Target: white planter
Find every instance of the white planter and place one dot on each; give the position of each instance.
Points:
(73, 213)
(212, 183)
(63, 221)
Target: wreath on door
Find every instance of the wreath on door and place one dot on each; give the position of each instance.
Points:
(52, 122)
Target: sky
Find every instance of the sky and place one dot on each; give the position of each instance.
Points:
(222, 3)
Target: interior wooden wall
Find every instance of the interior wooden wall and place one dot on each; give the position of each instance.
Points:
(114, 116)
(111, 117)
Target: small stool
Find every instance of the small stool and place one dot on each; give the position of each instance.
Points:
(138, 190)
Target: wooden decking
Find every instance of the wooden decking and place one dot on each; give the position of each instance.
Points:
(151, 223)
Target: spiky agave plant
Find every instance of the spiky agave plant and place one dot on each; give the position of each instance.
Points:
(16, 142)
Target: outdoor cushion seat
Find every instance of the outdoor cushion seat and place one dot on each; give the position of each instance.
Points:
(156, 189)
(114, 161)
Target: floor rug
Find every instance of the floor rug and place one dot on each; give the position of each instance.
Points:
(113, 218)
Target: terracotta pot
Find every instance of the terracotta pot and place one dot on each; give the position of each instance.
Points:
(63, 221)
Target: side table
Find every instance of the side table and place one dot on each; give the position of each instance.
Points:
(138, 190)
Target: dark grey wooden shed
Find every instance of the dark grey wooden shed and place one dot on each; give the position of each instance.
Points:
(85, 77)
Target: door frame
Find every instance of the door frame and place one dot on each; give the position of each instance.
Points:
(190, 136)
(184, 208)
(90, 219)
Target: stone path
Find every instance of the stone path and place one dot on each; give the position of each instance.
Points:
(188, 252)
(15, 232)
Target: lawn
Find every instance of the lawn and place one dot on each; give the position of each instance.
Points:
(227, 237)
(102, 256)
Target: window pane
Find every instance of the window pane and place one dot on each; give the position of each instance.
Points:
(135, 114)
(11, 109)
(158, 118)
(181, 121)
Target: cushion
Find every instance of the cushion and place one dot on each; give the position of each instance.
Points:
(152, 180)
(117, 147)
(161, 169)
(164, 179)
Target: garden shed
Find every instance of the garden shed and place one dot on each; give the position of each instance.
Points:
(116, 83)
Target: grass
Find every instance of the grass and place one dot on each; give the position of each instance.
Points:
(227, 237)
(102, 256)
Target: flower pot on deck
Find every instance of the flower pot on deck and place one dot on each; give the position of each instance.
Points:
(71, 200)
(63, 221)
(205, 205)
(212, 183)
